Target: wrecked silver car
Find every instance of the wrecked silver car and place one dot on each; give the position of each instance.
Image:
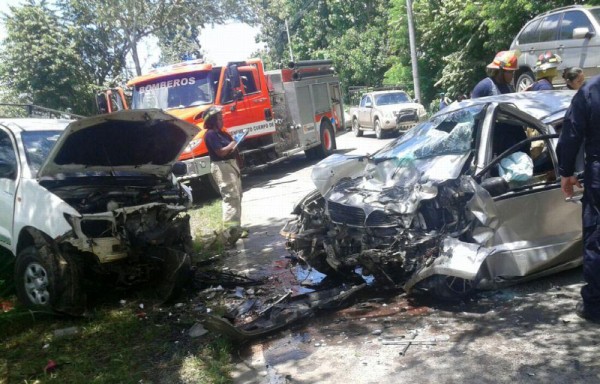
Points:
(94, 200)
(469, 199)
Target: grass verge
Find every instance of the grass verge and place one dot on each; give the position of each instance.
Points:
(114, 345)
(206, 221)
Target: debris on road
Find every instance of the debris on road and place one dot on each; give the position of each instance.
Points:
(282, 313)
(197, 330)
(225, 279)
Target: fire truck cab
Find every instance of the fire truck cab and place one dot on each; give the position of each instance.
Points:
(285, 111)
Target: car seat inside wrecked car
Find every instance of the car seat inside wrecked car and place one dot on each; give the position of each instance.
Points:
(521, 157)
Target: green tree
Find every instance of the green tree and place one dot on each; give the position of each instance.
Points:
(174, 22)
(351, 33)
(39, 60)
(100, 48)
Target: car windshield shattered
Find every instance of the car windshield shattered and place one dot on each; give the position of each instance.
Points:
(432, 149)
(175, 92)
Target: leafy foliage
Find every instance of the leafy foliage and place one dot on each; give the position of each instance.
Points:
(351, 33)
(39, 62)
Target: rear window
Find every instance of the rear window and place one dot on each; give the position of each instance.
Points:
(530, 33)
(572, 20)
(549, 28)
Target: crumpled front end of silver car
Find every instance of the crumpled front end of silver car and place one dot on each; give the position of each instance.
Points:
(400, 231)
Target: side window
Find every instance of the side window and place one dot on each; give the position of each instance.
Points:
(363, 101)
(8, 157)
(249, 80)
(572, 20)
(549, 27)
(530, 33)
(528, 164)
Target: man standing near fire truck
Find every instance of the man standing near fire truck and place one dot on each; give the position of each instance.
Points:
(224, 168)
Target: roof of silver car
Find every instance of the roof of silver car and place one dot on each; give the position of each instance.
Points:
(538, 104)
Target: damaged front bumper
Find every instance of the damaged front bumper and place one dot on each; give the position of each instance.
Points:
(135, 245)
(425, 232)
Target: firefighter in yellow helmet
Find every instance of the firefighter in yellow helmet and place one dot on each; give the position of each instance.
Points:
(545, 70)
(500, 76)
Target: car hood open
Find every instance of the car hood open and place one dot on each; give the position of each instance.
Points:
(131, 141)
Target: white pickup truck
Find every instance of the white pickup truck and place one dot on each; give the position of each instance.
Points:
(94, 200)
(386, 111)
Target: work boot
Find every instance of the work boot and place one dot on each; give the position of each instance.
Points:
(581, 312)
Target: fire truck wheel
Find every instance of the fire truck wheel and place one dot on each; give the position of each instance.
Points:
(328, 144)
(356, 128)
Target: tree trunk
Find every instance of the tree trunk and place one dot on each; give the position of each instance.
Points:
(136, 59)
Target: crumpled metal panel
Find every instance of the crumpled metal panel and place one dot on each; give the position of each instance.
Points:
(412, 183)
(456, 258)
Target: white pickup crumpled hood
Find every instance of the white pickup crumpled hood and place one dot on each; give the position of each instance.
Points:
(146, 141)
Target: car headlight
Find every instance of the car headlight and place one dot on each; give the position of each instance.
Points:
(193, 144)
(388, 115)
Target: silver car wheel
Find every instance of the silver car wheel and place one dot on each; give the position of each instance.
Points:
(378, 130)
(36, 284)
(356, 128)
(524, 81)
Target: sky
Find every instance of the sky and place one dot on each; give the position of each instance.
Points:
(221, 43)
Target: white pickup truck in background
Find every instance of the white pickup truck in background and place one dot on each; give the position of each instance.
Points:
(389, 111)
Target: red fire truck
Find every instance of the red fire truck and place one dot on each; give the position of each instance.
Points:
(285, 111)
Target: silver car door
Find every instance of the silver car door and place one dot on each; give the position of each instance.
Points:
(536, 228)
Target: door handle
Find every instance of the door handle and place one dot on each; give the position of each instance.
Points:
(261, 100)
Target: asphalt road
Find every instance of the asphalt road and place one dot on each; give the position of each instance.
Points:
(524, 334)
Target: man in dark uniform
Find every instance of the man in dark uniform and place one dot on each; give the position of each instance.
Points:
(500, 76)
(582, 125)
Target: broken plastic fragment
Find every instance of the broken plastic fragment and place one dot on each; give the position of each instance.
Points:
(50, 366)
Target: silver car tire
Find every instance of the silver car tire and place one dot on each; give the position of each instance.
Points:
(356, 128)
(378, 130)
(524, 81)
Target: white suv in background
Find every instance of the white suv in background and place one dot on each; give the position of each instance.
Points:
(571, 32)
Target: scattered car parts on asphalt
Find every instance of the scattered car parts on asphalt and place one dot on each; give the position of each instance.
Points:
(282, 313)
